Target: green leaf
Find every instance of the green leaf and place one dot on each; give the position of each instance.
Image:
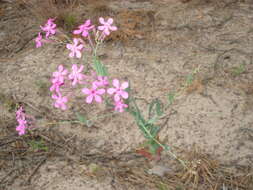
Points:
(38, 145)
(171, 98)
(150, 108)
(81, 118)
(159, 110)
(100, 68)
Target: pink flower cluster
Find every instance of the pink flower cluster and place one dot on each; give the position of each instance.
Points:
(99, 84)
(49, 29)
(99, 87)
(105, 28)
(57, 82)
(119, 94)
(21, 119)
(78, 45)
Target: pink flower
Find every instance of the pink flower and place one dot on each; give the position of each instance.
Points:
(38, 40)
(21, 119)
(118, 91)
(56, 86)
(59, 75)
(120, 106)
(60, 101)
(20, 113)
(49, 28)
(93, 93)
(76, 76)
(84, 29)
(75, 48)
(106, 26)
(101, 81)
(21, 127)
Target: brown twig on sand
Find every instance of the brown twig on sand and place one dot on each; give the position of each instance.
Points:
(28, 181)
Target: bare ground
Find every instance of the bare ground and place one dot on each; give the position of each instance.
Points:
(156, 49)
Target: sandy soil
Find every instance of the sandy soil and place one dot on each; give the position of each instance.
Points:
(169, 43)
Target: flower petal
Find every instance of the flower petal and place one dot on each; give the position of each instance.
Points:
(74, 67)
(80, 69)
(89, 99)
(63, 107)
(124, 85)
(69, 46)
(85, 33)
(71, 76)
(113, 28)
(77, 31)
(78, 54)
(86, 91)
(52, 88)
(87, 22)
(98, 99)
(116, 98)
(101, 27)
(75, 40)
(64, 72)
(115, 83)
(106, 32)
(65, 99)
(56, 104)
(110, 21)
(74, 82)
(54, 96)
(102, 20)
(53, 32)
(71, 54)
(60, 68)
(100, 91)
(124, 94)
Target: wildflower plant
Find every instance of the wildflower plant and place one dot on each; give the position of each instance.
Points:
(21, 119)
(25, 122)
(98, 87)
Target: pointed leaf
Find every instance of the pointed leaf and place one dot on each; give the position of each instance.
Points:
(150, 108)
(159, 110)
